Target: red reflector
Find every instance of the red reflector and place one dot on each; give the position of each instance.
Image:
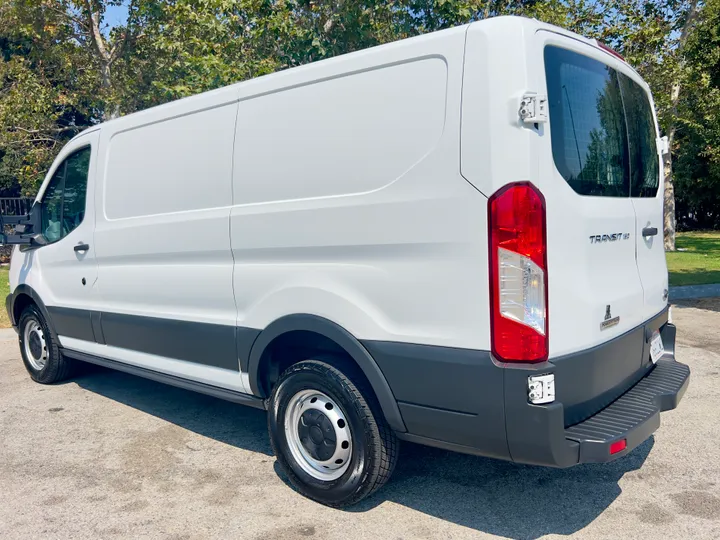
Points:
(610, 50)
(618, 446)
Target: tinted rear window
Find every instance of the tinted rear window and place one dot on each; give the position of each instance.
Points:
(603, 133)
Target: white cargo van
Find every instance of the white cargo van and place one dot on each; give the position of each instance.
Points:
(454, 240)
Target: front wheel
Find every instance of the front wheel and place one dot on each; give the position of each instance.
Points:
(40, 352)
(329, 435)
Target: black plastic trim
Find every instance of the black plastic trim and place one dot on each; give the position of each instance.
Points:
(538, 434)
(221, 393)
(96, 322)
(345, 340)
(634, 416)
(8, 308)
(588, 380)
(244, 340)
(74, 323)
(200, 343)
(24, 289)
(446, 393)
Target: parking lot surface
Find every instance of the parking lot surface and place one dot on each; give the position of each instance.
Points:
(109, 455)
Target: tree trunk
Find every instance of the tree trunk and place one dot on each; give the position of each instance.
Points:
(669, 220)
(111, 109)
(104, 58)
(669, 201)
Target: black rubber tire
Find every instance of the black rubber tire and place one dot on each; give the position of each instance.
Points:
(57, 368)
(375, 446)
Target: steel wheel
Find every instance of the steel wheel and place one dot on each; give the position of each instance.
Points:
(35, 347)
(318, 435)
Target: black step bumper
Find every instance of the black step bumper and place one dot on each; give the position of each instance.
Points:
(634, 416)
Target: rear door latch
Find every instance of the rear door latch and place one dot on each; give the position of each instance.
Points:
(533, 108)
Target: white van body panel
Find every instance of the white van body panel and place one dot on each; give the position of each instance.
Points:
(56, 271)
(162, 233)
(649, 212)
(497, 148)
(349, 202)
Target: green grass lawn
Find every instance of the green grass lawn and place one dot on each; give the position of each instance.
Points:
(4, 291)
(700, 263)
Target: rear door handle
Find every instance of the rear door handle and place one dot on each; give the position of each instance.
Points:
(81, 247)
(649, 231)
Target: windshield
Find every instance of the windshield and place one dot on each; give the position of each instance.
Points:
(602, 127)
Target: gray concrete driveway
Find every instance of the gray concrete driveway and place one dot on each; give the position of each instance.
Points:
(109, 455)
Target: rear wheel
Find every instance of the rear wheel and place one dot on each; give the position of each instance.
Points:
(329, 435)
(40, 352)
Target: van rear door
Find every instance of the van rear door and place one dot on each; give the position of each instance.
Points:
(645, 193)
(595, 289)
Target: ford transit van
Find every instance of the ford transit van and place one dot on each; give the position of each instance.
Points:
(454, 240)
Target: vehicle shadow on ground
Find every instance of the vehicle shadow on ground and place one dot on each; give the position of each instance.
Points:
(496, 497)
(503, 498)
(226, 422)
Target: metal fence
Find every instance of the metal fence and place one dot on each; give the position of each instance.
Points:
(15, 206)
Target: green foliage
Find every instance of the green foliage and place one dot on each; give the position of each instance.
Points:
(62, 69)
(698, 164)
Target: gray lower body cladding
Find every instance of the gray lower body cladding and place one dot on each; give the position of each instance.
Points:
(465, 401)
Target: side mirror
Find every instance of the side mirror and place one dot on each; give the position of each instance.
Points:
(23, 227)
(663, 146)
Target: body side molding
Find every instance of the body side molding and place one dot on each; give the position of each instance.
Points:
(336, 333)
(187, 384)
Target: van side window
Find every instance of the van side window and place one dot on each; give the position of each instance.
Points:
(589, 140)
(63, 204)
(644, 159)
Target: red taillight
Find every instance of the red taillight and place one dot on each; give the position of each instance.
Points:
(618, 446)
(518, 274)
(610, 50)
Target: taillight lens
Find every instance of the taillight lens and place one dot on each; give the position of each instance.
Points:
(518, 274)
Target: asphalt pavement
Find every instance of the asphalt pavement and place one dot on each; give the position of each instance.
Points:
(109, 455)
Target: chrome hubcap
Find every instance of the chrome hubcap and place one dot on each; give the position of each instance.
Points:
(318, 435)
(35, 346)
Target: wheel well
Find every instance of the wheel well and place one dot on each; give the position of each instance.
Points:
(21, 302)
(298, 345)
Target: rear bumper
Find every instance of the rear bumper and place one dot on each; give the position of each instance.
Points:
(634, 416)
(542, 439)
(465, 401)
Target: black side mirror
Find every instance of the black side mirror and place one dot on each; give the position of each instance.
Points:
(23, 228)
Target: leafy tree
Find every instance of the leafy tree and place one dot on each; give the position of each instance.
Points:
(652, 35)
(62, 68)
(698, 130)
(56, 78)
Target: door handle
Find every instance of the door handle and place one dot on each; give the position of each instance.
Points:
(649, 231)
(81, 247)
